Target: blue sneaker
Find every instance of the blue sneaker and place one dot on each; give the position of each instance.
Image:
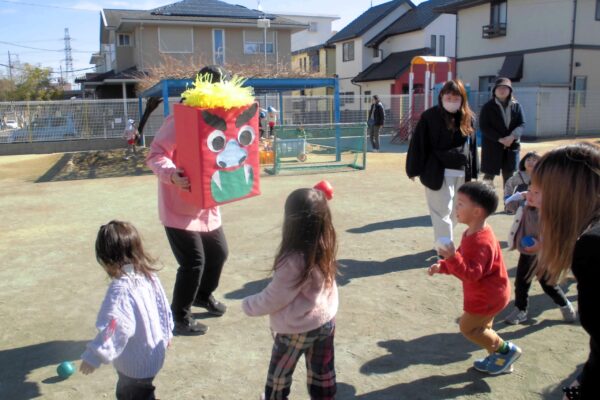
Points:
(500, 363)
(482, 364)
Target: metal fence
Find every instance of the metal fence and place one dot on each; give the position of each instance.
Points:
(549, 112)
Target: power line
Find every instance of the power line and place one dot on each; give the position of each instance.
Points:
(19, 3)
(40, 49)
(52, 72)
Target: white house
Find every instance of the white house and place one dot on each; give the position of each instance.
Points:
(318, 32)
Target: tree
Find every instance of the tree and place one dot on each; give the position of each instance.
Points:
(32, 83)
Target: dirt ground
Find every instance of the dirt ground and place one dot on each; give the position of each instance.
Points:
(396, 338)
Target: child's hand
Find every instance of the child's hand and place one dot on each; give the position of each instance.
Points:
(533, 249)
(179, 180)
(434, 269)
(447, 251)
(86, 368)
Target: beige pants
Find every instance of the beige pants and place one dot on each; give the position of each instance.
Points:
(478, 329)
(441, 207)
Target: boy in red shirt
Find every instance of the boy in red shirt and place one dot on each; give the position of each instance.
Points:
(479, 265)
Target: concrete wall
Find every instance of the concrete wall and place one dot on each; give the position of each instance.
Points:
(404, 42)
(445, 25)
(305, 38)
(589, 65)
(588, 28)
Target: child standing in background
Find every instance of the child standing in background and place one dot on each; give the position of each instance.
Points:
(134, 322)
(302, 297)
(526, 223)
(519, 182)
(131, 134)
(479, 265)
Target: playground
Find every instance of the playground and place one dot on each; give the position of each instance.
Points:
(396, 337)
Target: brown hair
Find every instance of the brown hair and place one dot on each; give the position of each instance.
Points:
(118, 243)
(308, 229)
(569, 179)
(467, 116)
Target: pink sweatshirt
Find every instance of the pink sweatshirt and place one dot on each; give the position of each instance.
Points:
(173, 211)
(291, 308)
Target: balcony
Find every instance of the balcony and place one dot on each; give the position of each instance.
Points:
(492, 31)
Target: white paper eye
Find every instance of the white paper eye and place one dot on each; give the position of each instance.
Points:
(246, 135)
(216, 141)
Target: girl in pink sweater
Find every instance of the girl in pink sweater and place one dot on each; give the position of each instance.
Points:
(302, 297)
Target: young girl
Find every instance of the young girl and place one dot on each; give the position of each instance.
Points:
(135, 320)
(519, 182)
(526, 224)
(131, 135)
(302, 297)
(569, 179)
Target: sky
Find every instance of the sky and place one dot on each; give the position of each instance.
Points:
(33, 31)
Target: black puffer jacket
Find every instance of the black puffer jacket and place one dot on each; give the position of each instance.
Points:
(433, 147)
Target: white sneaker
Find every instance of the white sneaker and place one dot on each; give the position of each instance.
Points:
(516, 317)
(568, 312)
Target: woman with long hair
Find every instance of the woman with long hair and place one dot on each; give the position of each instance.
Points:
(443, 154)
(569, 179)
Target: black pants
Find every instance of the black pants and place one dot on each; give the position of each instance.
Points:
(374, 131)
(201, 256)
(134, 389)
(522, 285)
(510, 162)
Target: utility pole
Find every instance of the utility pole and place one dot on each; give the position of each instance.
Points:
(9, 66)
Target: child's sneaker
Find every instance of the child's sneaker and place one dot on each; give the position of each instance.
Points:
(482, 365)
(500, 363)
(568, 312)
(516, 317)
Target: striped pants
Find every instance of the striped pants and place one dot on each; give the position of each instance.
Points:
(317, 347)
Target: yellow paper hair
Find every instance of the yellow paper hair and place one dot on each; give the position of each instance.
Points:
(221, 94)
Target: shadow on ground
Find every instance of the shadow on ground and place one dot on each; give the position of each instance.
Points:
(466, 383)
(96, 164)
(410, 222)
(18, 363)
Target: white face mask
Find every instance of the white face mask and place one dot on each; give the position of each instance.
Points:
(451, 107)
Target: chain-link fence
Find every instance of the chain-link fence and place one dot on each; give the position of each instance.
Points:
(549, 112)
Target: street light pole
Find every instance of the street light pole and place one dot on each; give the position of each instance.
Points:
(264, 23)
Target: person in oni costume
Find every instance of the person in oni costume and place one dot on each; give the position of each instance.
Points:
(195, 234)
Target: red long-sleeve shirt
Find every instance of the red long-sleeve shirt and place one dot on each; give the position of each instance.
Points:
(478, 263)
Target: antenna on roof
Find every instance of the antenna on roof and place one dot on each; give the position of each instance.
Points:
(371, 3)
(258, 7)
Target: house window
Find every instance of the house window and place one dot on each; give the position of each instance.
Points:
(346, 98)
(498, 13)
(124, 40)
(348, 51)
(314, 63)
(497, 26)
(579, 91)
(597, 10)
(486, 83)
(254, 42)
(175, 40)
(433, 44)
(219, 46)
(367, 98)
(304, 64)
(442, 46)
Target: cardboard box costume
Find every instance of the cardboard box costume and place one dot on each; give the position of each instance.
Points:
(218, 150)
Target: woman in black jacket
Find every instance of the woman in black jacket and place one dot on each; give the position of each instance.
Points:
(443, 154)
(501, 121)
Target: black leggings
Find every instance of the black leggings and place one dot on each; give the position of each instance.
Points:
(201, 256)
(522, 285)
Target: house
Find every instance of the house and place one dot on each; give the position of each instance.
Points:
(211, 31)
(542, 42)
(546, 47)
(373, 52)
(318, 29)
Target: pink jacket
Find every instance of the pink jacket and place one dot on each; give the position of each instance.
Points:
(173, 211)
(291, 308)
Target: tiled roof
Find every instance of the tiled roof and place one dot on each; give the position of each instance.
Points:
(366, 20)
(416, 19)
(391, 67)
(207, 8)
